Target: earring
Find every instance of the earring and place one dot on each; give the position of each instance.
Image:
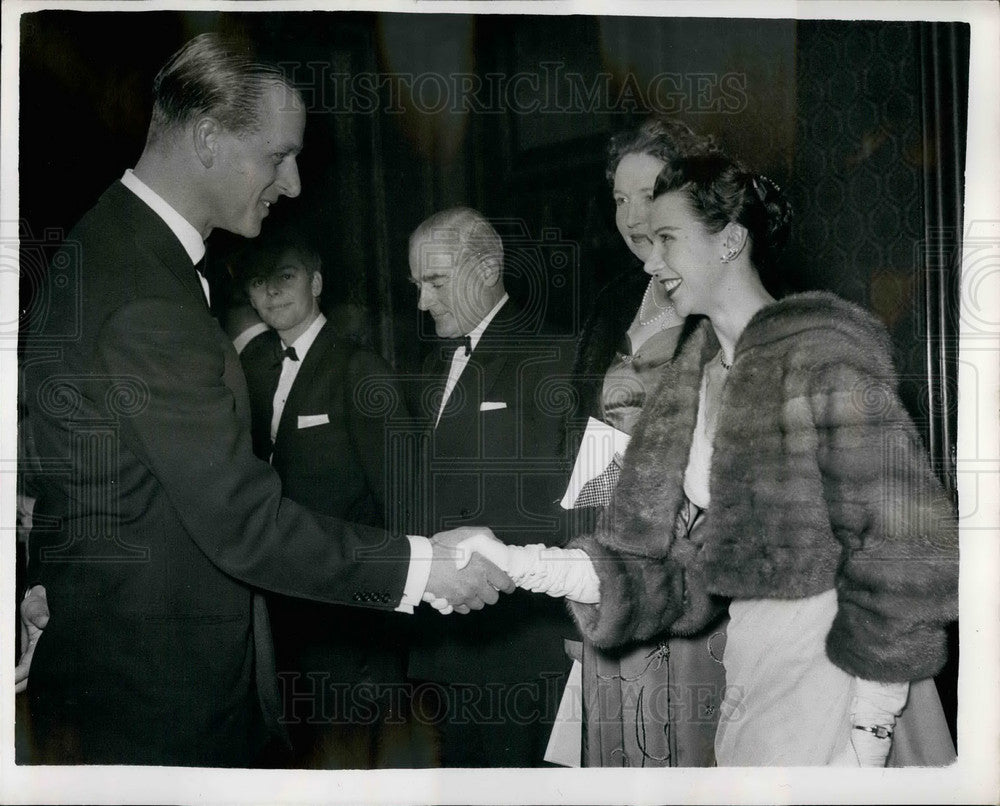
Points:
(729, 255)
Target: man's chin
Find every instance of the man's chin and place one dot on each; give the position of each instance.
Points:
(446, 330)
(250, 228)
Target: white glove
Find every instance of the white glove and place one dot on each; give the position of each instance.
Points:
(538, 568)
(875, 706)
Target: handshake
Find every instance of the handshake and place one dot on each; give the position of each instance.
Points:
(462, 579)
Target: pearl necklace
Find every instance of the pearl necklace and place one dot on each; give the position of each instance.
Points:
(664, 310)
(722, 361)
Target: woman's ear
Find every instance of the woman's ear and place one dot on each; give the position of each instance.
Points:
(734, 241)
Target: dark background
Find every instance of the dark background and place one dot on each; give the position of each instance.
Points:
(863, 124)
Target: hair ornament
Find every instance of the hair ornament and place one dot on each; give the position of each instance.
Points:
(758, 181)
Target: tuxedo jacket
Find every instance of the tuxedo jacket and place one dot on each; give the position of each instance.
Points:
(157, 523)
(331, 452)
(494, 460)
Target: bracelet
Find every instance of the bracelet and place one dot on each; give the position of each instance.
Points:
(879, 731)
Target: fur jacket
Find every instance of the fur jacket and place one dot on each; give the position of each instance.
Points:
(818, 481)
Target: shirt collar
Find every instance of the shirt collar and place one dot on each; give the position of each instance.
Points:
(304, 342)
(477, 332)
(189, 237)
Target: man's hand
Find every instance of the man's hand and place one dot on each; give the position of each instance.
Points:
(469, 588)
(34, 617)
(491, 548)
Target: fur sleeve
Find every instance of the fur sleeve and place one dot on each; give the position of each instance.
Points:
(640, 596)
(897, 586)
(643, 596)
(650, 582)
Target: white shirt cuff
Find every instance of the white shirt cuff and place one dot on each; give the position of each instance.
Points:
(421, 554)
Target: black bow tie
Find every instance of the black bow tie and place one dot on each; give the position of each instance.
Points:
(458, 343)
(289, 353)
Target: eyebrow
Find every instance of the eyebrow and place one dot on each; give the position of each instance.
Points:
(664, 227)
(430, 277)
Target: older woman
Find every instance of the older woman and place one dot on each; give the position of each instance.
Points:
(674, 683)
(778, 432)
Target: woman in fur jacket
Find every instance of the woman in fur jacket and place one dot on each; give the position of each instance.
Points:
(775, 472)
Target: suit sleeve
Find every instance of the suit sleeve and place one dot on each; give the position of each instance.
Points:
(377, 415)
(188, 435)
(897, 586)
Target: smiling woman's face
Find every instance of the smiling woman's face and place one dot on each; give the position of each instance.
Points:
(633, 189)
(684, 256)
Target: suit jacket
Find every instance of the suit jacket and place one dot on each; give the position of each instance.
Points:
(331, 450)
(161, 523)
(261, 361)
(494, 460)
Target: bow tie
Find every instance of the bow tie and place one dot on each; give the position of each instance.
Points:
(289, 353)
(458, 343)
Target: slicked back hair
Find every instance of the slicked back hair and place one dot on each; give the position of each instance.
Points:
(212, 75)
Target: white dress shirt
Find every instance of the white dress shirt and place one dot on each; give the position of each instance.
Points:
(189, 237)
(460, 358)
(290, 369)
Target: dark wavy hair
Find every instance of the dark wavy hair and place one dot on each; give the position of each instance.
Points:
(260, 258)
(721, 190)
(662, 137)
(212, 75)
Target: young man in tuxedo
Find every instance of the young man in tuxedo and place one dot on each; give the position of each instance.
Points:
(493, 458)
(156, 526)
(324, 413)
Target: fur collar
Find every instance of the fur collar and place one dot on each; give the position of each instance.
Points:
(650, 491)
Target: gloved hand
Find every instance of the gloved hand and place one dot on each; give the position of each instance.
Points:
(538, 568)
(872, 719)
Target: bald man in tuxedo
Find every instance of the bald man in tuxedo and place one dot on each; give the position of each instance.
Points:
(494, 459)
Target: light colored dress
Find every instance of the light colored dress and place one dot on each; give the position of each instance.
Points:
(785, 703)
(633, 375)
(783, 695)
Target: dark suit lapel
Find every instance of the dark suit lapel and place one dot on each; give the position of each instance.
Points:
(154, 236)
(490, 363)
(480, 376)
(316, 358)
(493, 352)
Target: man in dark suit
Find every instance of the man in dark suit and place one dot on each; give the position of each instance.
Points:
(493, 458)
(161, 524)
(324, 411)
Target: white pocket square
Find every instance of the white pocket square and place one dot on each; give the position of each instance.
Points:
(488, 406)
(310, 420)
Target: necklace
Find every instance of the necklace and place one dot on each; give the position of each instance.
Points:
(722, 361)
(664, 309)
